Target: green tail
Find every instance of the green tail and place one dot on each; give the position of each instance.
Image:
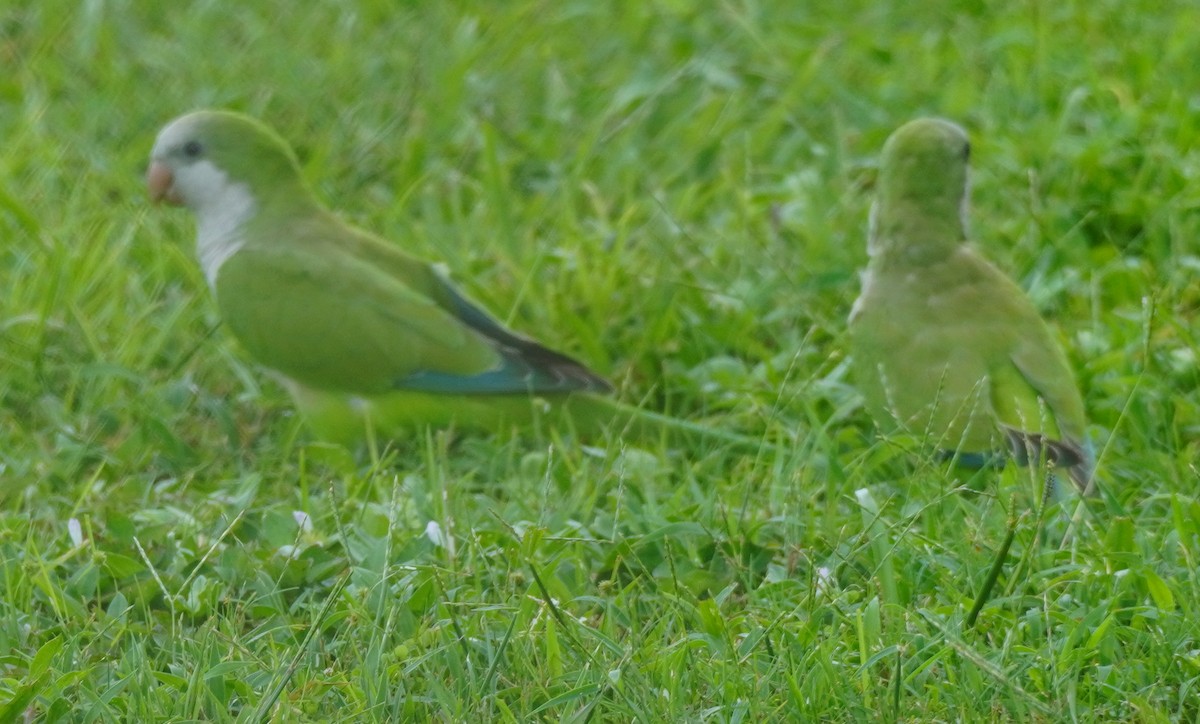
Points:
(342, 419)
(595, 416)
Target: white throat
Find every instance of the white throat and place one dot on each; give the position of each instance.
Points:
(222, 209)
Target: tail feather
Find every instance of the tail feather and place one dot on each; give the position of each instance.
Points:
(597, 415)
(342, 419)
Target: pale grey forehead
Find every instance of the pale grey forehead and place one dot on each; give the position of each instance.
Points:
(173, 134)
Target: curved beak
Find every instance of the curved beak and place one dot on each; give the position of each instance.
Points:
(160, 184)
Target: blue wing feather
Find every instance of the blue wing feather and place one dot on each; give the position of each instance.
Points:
(527, 367)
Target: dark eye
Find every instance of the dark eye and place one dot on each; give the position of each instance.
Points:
(192, 149)
(966, 151)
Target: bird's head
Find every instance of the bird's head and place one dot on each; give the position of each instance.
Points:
(921, 193)
(926, 159)
(198, 157)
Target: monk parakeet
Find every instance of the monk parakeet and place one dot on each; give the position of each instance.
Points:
(356, 329)
(945, 345)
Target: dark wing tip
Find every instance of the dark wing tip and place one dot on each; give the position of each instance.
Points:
(544, 369)
(552, 371)
(1060, 453)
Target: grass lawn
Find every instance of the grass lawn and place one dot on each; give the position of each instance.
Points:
(677, 194)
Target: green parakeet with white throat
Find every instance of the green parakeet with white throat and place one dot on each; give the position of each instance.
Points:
(945, 345)
(358, 331)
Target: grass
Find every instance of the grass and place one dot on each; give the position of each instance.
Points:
(677, 194)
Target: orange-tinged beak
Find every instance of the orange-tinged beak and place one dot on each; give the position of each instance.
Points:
(160, 184)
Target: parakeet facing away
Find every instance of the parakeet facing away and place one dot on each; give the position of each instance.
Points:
(945, 345)
(356, 329)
